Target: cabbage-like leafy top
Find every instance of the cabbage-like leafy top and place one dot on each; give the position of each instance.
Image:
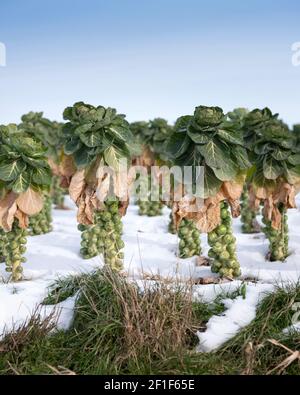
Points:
(207, 139)
(23, 162)
(47, 132)
(95, 132)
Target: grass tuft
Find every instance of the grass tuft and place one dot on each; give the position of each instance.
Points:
(122, 328)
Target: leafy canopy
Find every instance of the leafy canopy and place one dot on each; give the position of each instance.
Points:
(153, 134)
(23, 161)
(274, 149)
(94, 132)
(47, 132)
(208, 139)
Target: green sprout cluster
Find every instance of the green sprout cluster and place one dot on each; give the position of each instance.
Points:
(13, 245)
(41, 223)
(104, 237)
(150, 207)
(279, 239)
(58, 193)
(223, 246)
(189, 239)
(248, 215)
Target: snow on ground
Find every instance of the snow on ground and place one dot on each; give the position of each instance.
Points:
(149, 250)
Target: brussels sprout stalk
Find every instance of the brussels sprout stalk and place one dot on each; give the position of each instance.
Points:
(171, 226)
(13, 250)
(189, 239)
(58, 193)
(104, 237)
(223, 246)
(149, 207)
(41, 223)
(248, 215)
(279, 239)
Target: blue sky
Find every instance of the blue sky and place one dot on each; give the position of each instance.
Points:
(149, 58)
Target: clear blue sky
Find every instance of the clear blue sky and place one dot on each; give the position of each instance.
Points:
(149, 58)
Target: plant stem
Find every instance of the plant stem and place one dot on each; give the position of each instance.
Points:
(150, 207)
(223, 246)
(189, 239)
(41, 223)
(248, 215)
(104, 237)
(13, 251)
(279, 239)
(58, 193)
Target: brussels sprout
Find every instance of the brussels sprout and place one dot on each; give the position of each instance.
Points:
(222, 230)
(217, 247)
(224, 213)
(106, 216)
(212, 238)
(231, 248)
(182, 244)
(228, 238)
(212, 254)
(224, 256)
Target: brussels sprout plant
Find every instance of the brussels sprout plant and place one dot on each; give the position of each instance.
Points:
(236, 119)
(276, 155)
(49, 134)
(207, 139)
(24, 178)
(95, 137)
(152, 138)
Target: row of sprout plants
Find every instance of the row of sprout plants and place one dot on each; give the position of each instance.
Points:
(250, 163)
(151, 138)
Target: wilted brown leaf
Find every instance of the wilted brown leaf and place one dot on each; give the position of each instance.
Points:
(30, 202)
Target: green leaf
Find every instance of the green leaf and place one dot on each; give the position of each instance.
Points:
(280, 154)
(83, 128)
(10, 170)
(294, 159)
(177, 145)
(214, 153)
(241, 156)
(190, 158)
(211, 185)
(262, 148)
(72, 146)
(118, 132)
(21, 183)
(271, 168)
(198, 137)
(182, 123)
(227, 172)
(292, 174)
(35, 162)
(231, 136)
(41, 176)
(81, 157)
(112, 157)
(260, 180)
(91, 139)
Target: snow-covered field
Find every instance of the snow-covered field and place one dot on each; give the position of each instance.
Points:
(149, 251)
